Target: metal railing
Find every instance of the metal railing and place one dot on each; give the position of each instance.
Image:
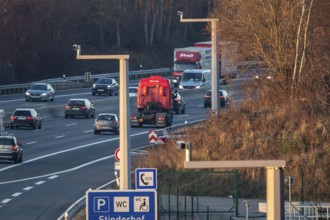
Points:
(77, 81)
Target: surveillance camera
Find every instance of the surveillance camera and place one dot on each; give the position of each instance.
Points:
(76, 47)
(181, 145)
(180, 13)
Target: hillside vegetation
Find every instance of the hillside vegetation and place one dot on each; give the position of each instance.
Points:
(286, 117)
(267, 128)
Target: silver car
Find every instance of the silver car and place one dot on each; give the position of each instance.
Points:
(10, 149)
(106, 122)
(40, 92)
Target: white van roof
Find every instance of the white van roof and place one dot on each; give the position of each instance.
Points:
(197, 70)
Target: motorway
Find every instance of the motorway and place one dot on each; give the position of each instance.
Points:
(64, 159)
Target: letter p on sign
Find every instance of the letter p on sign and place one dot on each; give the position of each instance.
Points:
(101, 204)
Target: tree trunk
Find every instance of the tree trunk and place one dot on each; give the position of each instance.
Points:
(146, 37)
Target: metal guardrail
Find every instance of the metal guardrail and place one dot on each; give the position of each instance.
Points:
(77, 81)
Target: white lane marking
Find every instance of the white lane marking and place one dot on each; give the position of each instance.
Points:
(32, 142)
(66, 171)
(15, 100)
(61, 136)
(181, 116)
(88, 131)
(40, 182)
(53, 177)
(28, 188)
(5, 200)
(81, 147)
(71, 124)
(16, 194)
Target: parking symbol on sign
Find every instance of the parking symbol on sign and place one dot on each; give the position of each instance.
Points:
(101, 204)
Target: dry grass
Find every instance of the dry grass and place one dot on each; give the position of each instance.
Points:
(276, 126)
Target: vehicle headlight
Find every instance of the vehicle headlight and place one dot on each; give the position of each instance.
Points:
(198, 87)
(94, 85)
(43, 94)
(27, 93)
(180, 87)
(109, 86)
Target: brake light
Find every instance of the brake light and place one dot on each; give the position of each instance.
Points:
(30, 118)
(133, 117)
(161, 118)
(13, 118)
(84, 107)
(67, 107)
(14, 148)
(206, 97)
(114, 122)
(221, 97)
(176, 100)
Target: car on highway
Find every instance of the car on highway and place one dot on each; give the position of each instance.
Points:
(79, 107)
(3, 124)
(179, 104)
(223, 96)
(105, 85)
(40, 92)
(106, 122)
(25, 117)
(132, 91)
(10, 149)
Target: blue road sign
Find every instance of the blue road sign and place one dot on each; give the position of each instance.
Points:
(146, 178)
(121, 205)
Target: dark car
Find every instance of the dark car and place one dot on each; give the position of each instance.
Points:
(10, 149)
(107, 86)
(179, 104)
(106, 122)
(79, 107)
(223, 96)
(40, 92)
(25, 117)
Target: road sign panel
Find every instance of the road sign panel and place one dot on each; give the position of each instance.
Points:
(117, 154)
(146, 178)
(117, 165)
(121, 205)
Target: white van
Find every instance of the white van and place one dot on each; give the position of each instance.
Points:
(195, 79)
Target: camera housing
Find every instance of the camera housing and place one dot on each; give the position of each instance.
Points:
(181, 145)
(76, 47)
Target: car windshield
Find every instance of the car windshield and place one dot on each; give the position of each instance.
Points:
(7, 141)
(76, 103)
(106, 117)
(191, 76)
(22, 113)
(39, 87)
(104, 81)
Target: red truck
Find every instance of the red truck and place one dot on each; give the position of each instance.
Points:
(190, 58)
(154, 103)
(199, 56)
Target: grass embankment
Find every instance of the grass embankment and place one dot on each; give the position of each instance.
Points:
(275, 126)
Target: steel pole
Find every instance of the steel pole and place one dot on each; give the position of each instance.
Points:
(124, 129)
(215, 74)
